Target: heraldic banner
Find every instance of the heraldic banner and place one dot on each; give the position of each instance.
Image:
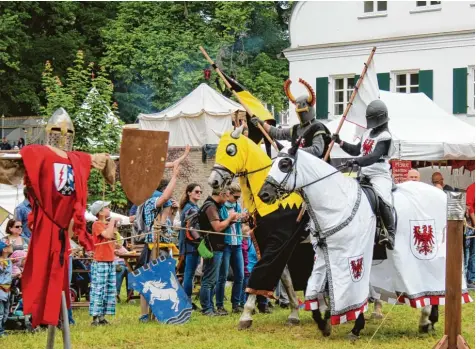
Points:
(156, 281)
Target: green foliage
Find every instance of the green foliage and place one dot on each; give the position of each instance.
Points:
(87, 97)
(152, 51)
(99, 190)
(32, 32)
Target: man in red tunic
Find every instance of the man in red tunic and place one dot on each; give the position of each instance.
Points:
(56, 181)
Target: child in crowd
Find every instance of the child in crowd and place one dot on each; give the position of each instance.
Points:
(5, 283)
(103, 271)
(18, 259)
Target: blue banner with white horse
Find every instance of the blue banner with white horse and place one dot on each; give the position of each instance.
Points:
(157, 282)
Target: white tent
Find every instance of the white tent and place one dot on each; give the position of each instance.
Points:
(421, 130)
(10, 197)
(193, 119)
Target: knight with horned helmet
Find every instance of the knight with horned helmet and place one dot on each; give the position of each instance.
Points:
(315, 136)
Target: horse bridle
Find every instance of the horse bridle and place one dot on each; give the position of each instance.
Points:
(221, 169)
(280, 187)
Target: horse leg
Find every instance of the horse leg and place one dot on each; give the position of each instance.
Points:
(246, 320)
(293, 318)
(425, 323)
(377, 314)
(324, 325)
(358, 326)
(433, 316)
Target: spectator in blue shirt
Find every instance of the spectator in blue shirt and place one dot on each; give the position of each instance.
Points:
(152, 208)
(189, 201)
(21, 214)
(232, 254)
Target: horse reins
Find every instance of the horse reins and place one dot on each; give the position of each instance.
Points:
(281, 189)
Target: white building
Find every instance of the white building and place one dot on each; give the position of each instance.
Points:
(422, 46)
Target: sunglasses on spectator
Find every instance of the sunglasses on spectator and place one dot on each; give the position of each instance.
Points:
(197, 191)
(237, 197)
(17, 226)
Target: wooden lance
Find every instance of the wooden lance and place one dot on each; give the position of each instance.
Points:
(205, 54)
(352, 97)
(454, 266)
(344, 116)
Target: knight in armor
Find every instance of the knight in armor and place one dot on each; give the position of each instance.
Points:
(374, 151)
(315, 136)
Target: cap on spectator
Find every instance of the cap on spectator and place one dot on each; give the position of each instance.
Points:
(97, 206)
(3, 244)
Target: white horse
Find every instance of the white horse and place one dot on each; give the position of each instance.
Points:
(158, 292)
(344, 224)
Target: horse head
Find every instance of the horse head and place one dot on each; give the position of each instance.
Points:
(232, 156)
(145, 286)
(282, 177)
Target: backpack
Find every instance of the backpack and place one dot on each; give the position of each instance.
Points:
(193, 236)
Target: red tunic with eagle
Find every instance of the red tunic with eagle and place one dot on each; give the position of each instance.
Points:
(57, 191)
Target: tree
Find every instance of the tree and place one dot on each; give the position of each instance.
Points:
(155, 62)
(32, 32)
(87, 97)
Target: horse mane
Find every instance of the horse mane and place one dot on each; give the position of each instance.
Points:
(157, 284)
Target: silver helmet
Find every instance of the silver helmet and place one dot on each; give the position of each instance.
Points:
(304, 104)
(376, 114)
(60, 130)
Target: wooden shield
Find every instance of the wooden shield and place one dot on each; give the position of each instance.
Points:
(142, 162)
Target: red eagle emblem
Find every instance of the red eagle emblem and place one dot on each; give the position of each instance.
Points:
(302, 143)
(423, 239)
(357, 268)
(367, 147)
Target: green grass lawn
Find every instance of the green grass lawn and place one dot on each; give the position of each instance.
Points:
(400, 330)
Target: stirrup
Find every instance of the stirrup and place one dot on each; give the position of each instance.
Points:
(384, 238)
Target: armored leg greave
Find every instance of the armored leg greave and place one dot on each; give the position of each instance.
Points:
(387, 235)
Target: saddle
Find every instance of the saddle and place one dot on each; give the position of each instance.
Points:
(380, 252)
(371, 194)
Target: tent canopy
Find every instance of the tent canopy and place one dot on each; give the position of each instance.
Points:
(193, 119)
(421, 130)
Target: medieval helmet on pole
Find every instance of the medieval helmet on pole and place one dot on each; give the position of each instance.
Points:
(60, 130)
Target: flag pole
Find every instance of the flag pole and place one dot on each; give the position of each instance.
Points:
(344, 116)
(236, 95)
(352, 97)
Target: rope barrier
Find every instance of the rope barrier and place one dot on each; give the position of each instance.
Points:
(144, 234)
(380, 325)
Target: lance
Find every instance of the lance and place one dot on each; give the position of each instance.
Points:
(344, 116)
(205, 54)
(354, 94)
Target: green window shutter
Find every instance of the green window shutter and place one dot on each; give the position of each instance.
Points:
(383, 81)
(460, 90)
(425, 85)
(356, 79)
(322, 96)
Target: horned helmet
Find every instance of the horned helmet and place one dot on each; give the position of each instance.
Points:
(60, 130)
(304, 104)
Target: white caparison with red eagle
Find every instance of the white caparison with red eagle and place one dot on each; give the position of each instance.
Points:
(415, 269)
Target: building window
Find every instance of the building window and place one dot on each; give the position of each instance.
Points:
(343, 88)
(375, 6)
(471, 90)
(406, 82)
(428, 3)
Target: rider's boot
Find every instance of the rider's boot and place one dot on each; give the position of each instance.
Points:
(387, 236)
